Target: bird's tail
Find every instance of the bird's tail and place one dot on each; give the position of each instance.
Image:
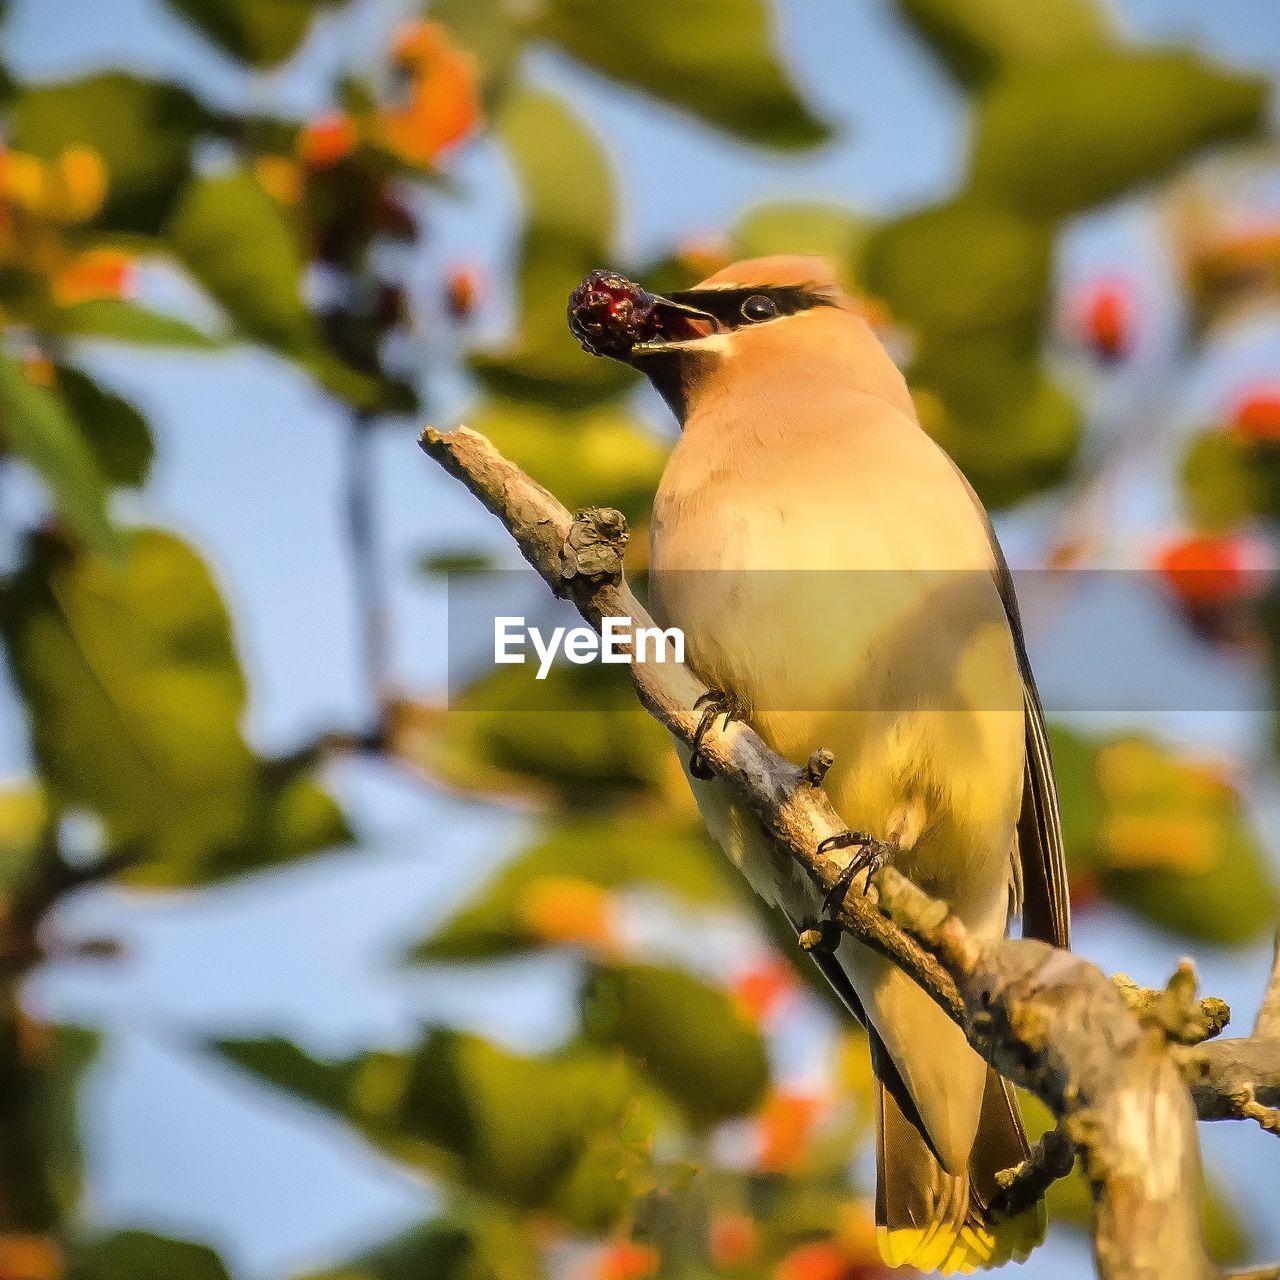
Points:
(937, 1222)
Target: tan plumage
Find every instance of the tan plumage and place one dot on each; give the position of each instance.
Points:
(829, 565)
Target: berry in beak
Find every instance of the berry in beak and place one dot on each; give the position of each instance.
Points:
(613, 316)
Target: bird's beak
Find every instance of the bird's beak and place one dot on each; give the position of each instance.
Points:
(677, 321)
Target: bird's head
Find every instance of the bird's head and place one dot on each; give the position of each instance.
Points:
(758, 311)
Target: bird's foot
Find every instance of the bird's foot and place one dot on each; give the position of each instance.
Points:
(871, 856)
(714, 704)
(820, 937)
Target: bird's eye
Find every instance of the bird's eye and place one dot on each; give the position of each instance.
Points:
(759, 307)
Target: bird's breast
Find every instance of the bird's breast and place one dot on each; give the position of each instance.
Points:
(843, 588)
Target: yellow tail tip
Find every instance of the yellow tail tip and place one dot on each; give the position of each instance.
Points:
(945, 1249)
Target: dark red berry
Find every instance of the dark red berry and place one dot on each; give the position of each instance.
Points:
(609, 315)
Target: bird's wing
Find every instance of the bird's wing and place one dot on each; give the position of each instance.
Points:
(1046, 904)
(885, 1069)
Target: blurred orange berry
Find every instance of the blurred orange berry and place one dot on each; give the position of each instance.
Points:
(100, 273)
(1256, 416)
(1086, 890)
(325, 142)
(416, 41)
(734, 1239)
(786, 1124)
(627, 1261)
(24, 181)
(281, 177)
(82, 178)
(462, 290)
(564, 909)
(39, 371)
(759, 991)
(1205, 569)
(1184, 842)
(442, 106)
(29, 1257)
(1105, 318)
(856, 1227)
(820, 1260)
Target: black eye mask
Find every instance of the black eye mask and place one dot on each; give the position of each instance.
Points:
(737, 308)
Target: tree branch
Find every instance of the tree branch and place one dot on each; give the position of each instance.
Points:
(1111, 1061)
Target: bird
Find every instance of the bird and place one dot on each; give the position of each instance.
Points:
(839, 585)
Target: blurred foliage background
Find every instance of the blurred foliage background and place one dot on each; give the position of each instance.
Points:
(618, 1068)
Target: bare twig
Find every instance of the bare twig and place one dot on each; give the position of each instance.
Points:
(1187, 1022)
(1051, 1158)
(1047, 1019)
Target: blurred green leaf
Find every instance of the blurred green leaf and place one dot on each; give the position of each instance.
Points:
(605, 852)
(490, 33)
(1080, 798)
(827, 231)
(116, 433)
(1233, 903)
(41, 1070)
(570, 216)
(980, 39)
(715, 59)
(578, 736)
(142, 129)
(135, 696)
(70, 1053)
(38, 428)
(437, 1250)
(519, 1127)
(962, 267)
(441, 564)
(371, 393)
(1114, 120)
(599, 457)
(24, 816)
(239, 244)
(687, 1037)
(263, 33)
(139, 1255)
(536, 1132)
(1167, 837)
(298, 817)
(113, 320)
(986, 399)
(283, 1065)
(1226, 481)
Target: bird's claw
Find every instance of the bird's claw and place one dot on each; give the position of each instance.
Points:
(871, 856)
(820, 937)
(714, 704)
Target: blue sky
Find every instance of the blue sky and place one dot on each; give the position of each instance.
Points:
(249, 469)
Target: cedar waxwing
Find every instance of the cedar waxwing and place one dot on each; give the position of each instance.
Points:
(834, 573)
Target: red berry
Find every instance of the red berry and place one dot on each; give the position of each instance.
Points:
(734, 1239)
(1256, 417)
(462, 290)
(1105, 319)
(1205, 571)
(609, 315)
